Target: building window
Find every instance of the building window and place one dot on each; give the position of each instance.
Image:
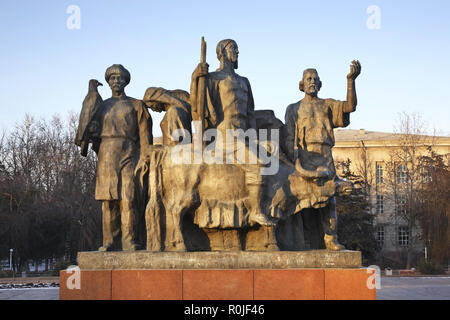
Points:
(380, 204)
(380, 235)
(403, 235)
(402, 205)
(379, 173)
(402, 172)
(426, 175)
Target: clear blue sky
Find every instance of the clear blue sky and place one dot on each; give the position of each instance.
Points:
(405, 64)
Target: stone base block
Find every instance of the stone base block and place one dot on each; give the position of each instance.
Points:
(146, 260)
(146, 285)
(86, 285)
(217, 284)
(231, 284)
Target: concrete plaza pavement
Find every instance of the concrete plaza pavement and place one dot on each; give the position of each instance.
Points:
(414, 288)
(30, 294)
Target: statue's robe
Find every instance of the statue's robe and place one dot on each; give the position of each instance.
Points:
(229, 105)
(309, 138)
(126, 128)
(176, 123)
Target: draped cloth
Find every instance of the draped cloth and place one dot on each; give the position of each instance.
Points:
(178, 113)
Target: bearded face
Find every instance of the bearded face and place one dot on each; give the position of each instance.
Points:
(311, 83)
(232, 54)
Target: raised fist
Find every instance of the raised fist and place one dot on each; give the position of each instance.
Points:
(355, 70)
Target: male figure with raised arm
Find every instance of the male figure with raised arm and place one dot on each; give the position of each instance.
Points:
(310, 138)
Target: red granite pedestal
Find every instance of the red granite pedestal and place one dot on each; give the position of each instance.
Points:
(220, 284)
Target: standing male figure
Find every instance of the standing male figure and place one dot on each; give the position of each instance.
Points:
(309, 139)
(230, 106)
(125, 128)
(229, 96)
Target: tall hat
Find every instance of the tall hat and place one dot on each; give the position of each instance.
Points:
(117, 69)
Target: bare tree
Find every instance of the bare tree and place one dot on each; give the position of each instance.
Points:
(47, 206)
(435, 205)
(356, 222)
(404, 180)
(364, 171)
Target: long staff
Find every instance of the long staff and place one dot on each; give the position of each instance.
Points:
(200, 108)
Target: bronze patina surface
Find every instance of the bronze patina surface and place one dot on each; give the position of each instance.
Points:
(157, 200)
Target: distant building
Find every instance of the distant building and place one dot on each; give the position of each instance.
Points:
(392, 231)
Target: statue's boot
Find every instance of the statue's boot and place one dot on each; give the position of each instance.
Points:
(256, 215)
(126, 246)
(108, 247)
(261, 219)
(129, 247)
(331, 243)
(329, 225)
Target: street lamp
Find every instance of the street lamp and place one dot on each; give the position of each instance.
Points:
(10, 258)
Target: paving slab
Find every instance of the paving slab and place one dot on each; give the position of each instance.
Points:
(30, 294)
(414, 288)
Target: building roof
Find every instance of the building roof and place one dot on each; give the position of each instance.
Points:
(342, 135)
(358, 135)
(350, 135)
(349, 138)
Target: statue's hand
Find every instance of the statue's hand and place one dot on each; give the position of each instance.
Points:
(355, 70)
(141, 170)
(201, 70)
(155, 106)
